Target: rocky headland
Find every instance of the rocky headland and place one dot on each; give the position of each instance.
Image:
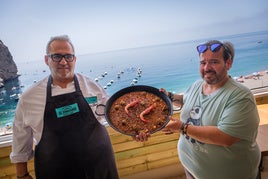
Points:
(8, 68)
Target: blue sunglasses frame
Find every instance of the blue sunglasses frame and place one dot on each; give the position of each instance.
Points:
(213, 47)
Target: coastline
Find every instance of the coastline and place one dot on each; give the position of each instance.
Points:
(257, 82)
(5, 130)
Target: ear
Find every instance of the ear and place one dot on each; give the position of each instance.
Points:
(46, 59)
(229, 63)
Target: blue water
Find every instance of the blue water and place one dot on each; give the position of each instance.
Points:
(172, 66)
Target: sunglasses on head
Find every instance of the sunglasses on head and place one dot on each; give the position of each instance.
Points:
(213, 47)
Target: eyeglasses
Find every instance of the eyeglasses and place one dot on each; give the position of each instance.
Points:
(213, 47)
(58, 57)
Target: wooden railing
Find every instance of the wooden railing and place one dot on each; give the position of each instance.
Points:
(131, 157)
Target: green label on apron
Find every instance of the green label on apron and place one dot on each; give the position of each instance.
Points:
(67, 110)
(91, 100)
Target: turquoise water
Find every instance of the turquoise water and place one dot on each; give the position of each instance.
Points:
(172, 66)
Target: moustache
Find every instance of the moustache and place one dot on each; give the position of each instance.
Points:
(63, 66)
(210, 71)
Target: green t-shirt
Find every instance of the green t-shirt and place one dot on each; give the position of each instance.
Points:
(233, 110)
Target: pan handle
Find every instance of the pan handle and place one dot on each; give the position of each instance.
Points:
(177, 107)
(100, 110)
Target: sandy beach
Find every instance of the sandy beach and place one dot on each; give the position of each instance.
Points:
(5, 130)
(257, 82)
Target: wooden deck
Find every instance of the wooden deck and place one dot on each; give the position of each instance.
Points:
(263, 113)
(155, 159)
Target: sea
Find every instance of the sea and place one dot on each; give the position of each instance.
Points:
(173, 66)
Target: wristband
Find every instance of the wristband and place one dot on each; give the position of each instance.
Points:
(182, 127)
(185, 129)
(25, 175)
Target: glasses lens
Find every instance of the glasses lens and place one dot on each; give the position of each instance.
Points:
(215, 47)
(201, 48)
(69, 57)
(56, 57)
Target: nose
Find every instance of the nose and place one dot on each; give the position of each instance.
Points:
(207, 66)
(63, 60)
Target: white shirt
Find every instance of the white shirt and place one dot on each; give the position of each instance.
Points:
(28, 121)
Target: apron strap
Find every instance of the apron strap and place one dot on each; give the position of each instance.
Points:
(49, 82)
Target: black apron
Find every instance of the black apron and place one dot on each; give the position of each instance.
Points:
(73, 144)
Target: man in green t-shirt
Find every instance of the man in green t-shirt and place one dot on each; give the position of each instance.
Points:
(219, 120)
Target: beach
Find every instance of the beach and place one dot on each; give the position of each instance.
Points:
(5, 130)
(257, 81)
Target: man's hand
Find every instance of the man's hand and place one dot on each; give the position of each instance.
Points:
(142, 136)
(173, 126)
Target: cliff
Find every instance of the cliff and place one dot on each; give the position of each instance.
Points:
(8, 68)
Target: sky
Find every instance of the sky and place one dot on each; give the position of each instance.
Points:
(105, 25)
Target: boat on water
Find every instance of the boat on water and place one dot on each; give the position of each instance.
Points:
(15, 97)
